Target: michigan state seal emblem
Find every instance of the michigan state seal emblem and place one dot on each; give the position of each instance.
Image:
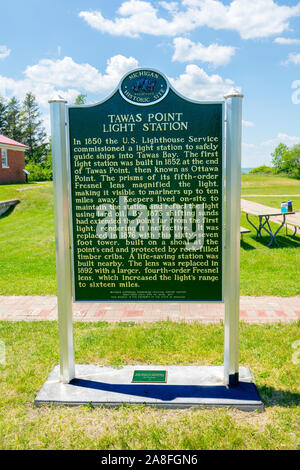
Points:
(144, 87)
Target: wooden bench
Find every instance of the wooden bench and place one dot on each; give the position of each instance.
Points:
(244, 230)
(294, 224)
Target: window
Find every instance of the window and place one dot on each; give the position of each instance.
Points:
(4, 158)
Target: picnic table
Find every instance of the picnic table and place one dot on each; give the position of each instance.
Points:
(263, 219)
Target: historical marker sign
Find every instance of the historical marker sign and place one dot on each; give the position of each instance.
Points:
(147, 194)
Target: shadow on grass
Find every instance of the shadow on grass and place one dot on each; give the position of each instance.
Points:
(8, 212)
(273, 397)
(246, 246)
(284, 242)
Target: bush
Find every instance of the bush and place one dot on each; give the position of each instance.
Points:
(262, 169)
(39, 172)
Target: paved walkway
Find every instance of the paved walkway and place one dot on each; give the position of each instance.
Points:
(253, 310)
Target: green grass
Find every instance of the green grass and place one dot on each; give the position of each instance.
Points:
(27, 262)
(266, 184)
(275, 201)
(259, 264)
(32, 351)
(27, 266)
(27, 247)
(269, 270)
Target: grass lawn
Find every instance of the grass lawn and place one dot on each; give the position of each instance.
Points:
(275, 201)
(32, 351)
(269, 271)
(27, 262)
(27, 247)
(263, 262)
(269, 184)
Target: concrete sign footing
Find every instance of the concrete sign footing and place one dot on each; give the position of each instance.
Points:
(187, 386)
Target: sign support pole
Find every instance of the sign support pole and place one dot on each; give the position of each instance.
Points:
(62, 239)
(232, 237)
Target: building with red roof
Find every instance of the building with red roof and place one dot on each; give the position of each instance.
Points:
(12, 161)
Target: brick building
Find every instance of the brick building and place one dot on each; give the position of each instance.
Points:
(12, 161)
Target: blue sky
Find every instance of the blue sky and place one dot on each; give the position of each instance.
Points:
(205, 47)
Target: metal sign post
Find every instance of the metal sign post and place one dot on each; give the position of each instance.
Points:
(232, 237)
(62, 239)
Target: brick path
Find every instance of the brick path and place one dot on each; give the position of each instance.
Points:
(253, 309)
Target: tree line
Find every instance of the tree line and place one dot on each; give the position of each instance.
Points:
(22, 122)
(286, 159)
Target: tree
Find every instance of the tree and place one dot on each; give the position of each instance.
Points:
(3, 112)
(34, 134)
(278, 156)
(81, 99)
(287, 160)
(13, 128)
(292, 161)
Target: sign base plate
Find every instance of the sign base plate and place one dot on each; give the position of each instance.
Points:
(187, 386)
(149, 376)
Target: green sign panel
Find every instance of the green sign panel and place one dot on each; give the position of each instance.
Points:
(147, 194)
(157, 376)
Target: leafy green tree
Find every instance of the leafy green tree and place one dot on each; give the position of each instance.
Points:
(81, 99)
(292, 161)
(278, 156)
(33, 131)
(13, 128)
(287, 160)
(3, 115)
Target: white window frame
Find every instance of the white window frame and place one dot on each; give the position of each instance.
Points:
(4, 159)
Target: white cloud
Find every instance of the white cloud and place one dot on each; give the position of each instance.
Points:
(293, 58)
(250, 18)
(172, 7)
(42, 91)
(187, 51)
(248, 123)
(136, 17)
(47, 123)
(66, 78)
(296, 94)
(286, 41)
(50, 78)
(254, 155)
(281, 138)
(4, 52)
(63, 73)
(196, 84)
